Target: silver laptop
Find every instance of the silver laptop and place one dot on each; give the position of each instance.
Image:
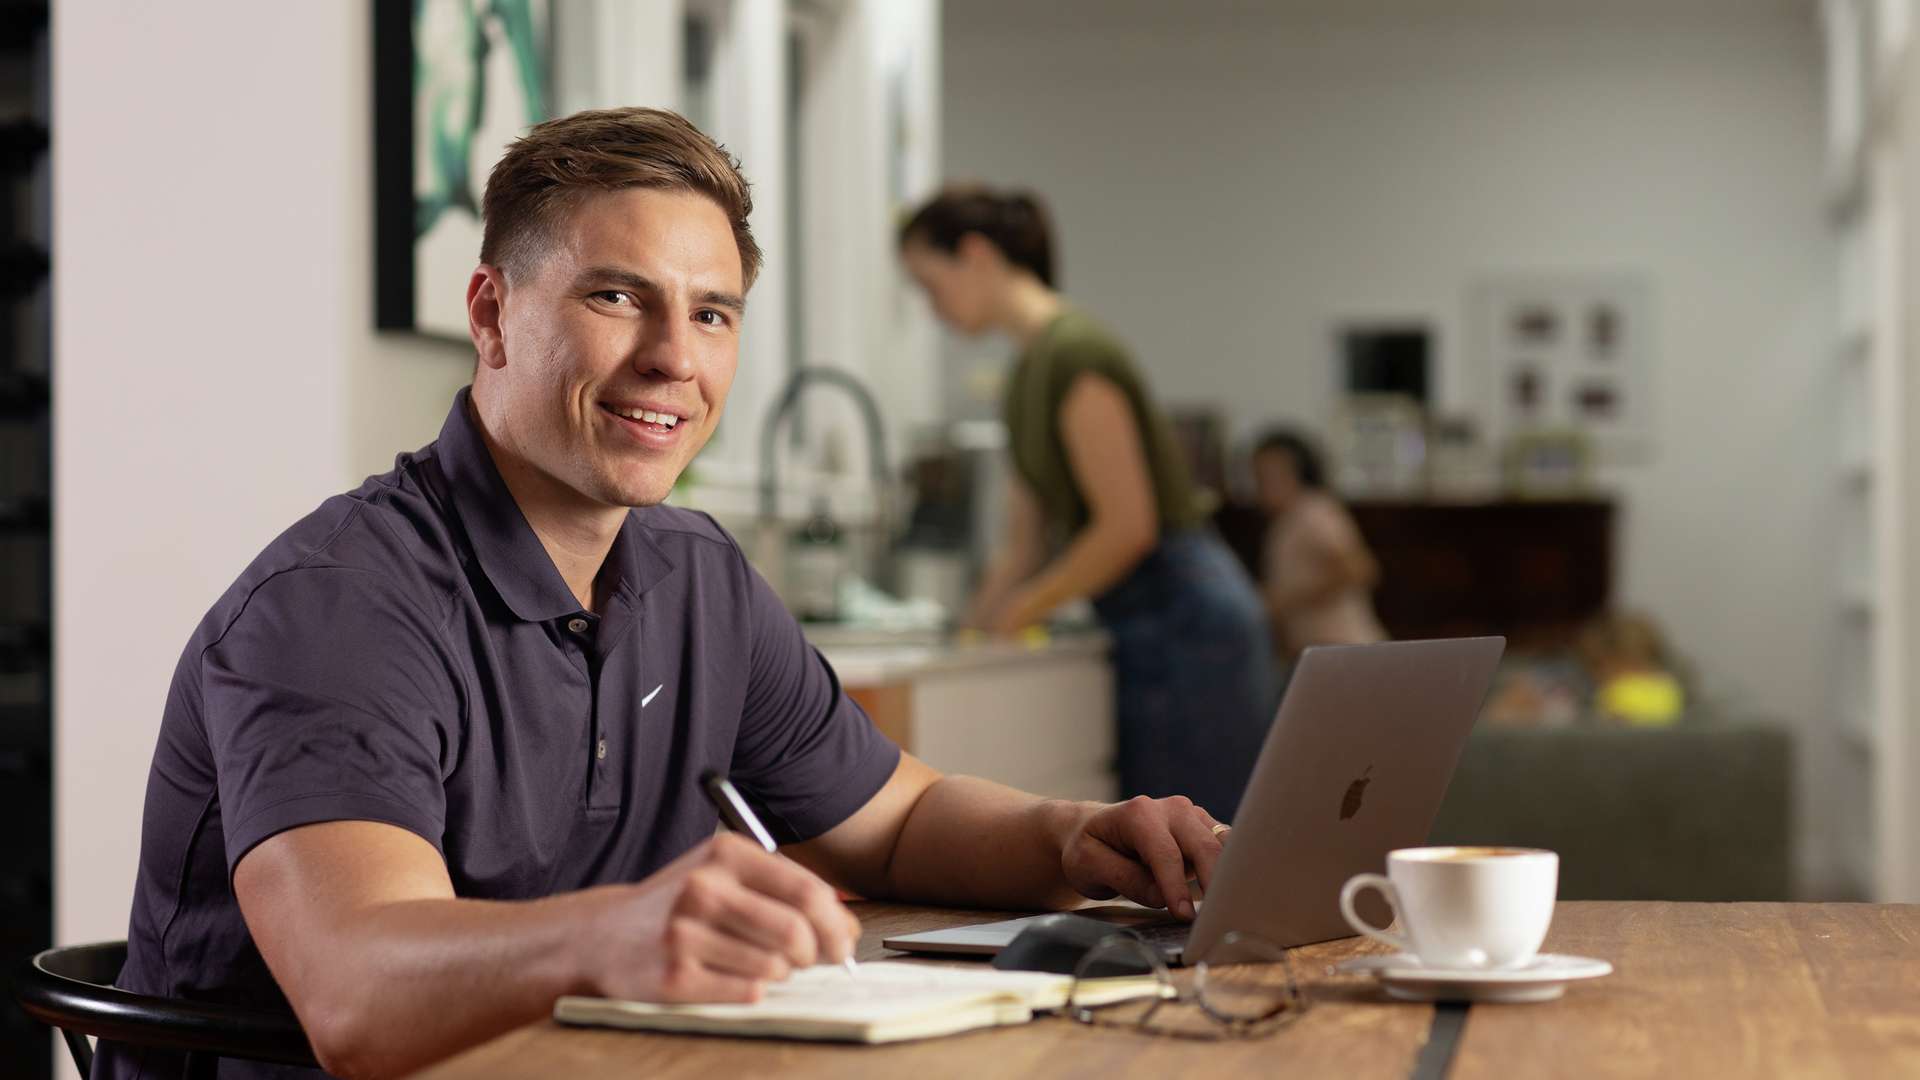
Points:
(1354, 766)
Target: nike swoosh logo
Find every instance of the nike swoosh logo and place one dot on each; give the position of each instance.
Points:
(648, 700)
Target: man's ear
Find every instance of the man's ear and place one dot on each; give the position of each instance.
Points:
(486, 302)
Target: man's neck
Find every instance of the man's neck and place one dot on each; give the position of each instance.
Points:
(576, 533)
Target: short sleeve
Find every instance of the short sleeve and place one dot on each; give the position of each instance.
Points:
(807, 755)
(328, 698)
(1090, 355)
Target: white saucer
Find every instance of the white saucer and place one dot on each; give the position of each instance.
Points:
(1542, 979)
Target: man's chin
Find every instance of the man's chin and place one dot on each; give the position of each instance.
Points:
(632, 492)
(638, 497)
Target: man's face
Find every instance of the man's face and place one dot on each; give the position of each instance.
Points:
(615, 352)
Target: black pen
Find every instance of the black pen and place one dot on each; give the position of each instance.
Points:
(740, 817)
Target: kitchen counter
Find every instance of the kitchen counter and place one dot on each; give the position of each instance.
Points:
(871, 658)
(1035, 714)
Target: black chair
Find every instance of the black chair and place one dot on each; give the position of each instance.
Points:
(72, 989)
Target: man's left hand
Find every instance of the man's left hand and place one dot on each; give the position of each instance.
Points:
(1145, 850)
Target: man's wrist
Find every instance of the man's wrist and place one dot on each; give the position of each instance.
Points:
(1061, 820)
(579, 915)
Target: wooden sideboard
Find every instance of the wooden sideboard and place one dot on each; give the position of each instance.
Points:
(1533, 571)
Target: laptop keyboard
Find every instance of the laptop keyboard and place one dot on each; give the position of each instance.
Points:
(1167, 936)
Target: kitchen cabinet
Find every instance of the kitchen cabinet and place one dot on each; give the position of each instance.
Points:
(1036, 716)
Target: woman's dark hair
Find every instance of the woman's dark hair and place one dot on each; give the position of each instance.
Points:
(1306, 459)
(1014, 222)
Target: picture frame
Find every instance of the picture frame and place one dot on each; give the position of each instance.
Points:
(454, 82)
(1567, 352)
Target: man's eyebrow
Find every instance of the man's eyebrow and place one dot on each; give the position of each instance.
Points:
(627, 279)
(730, 301)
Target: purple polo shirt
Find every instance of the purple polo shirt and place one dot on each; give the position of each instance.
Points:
(408, 654)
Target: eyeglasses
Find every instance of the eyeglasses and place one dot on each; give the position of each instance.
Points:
(1244, 987)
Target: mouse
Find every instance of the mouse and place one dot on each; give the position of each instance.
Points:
(1056, 943)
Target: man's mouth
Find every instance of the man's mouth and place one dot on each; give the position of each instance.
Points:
(650, 418)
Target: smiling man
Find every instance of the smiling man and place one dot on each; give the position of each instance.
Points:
(433, 760)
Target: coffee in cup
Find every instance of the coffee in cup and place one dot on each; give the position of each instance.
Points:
(1463, 907)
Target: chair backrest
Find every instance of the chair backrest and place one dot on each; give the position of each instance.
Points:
(72, 989)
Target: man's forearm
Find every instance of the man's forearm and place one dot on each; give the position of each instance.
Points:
(974, 842)
(429, 977)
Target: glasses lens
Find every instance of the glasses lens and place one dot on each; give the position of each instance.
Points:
(1243, 987)
(1096, 996)
(1244, 980)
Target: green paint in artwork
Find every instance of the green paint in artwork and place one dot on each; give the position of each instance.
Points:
(450, 54)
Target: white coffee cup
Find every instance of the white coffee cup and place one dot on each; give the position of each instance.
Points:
(1463, 907)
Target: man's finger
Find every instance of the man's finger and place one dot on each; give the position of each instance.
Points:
(1197, 840)
(835, 930)
(726, 954)
(1117, 871)
(718, 898)
(1214, 825)
(697, 983)
(1153, 844)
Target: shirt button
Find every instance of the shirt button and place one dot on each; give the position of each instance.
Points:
(601, 750)
(578, 626)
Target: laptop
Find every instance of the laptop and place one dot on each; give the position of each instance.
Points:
(1354, 766)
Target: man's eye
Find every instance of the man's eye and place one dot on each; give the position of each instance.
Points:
(612, 296)
(710, 317)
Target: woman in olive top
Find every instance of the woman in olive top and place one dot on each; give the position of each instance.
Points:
(1101, 506)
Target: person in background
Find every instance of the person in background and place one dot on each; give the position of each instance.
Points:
(1316, 571)
(1101, 507)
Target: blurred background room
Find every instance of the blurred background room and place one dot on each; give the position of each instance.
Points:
(1586, 322)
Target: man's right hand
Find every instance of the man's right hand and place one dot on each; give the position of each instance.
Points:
(389, 971)
(716, 924)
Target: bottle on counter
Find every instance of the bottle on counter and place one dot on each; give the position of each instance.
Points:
(817, 560)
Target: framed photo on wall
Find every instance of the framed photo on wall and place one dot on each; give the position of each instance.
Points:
(1567, 353)
(454, 82)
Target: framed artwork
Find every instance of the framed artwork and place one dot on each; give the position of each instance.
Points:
(454, 82)
(1387, 356)
(1567, 353)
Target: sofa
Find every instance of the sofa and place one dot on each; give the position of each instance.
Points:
(1694, 812)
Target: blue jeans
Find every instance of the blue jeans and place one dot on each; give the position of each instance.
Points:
(1194, 680)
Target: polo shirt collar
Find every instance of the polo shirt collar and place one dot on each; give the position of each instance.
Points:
(510, 555)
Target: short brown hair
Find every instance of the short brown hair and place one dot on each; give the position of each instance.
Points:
(1013, 221)
(559, 162)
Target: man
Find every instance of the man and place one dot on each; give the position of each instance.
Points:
(433, 760)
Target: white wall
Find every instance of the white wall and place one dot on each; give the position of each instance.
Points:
(1228, 177)
(216, 371)
(217, 374)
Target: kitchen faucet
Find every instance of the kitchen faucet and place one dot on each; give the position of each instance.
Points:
(798, 382)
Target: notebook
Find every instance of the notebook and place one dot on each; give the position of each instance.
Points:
(886, 1002)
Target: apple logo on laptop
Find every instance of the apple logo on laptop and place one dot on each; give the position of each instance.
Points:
(1356, 791)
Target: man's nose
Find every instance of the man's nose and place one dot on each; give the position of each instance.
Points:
(666, 350)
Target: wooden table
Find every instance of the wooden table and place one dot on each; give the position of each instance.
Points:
(1799, 990)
